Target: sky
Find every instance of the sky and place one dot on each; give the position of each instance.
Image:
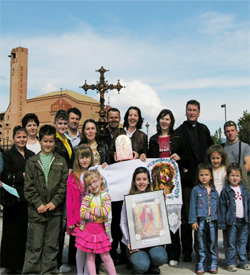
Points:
(164, 52)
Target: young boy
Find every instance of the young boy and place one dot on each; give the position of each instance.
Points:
(64, 148)
(45, 190)
(63, 144)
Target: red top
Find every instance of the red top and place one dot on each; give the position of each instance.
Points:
(164, 147)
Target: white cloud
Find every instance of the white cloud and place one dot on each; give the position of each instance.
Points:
(47, 88)
(137, 94)
(215, 22)
(158, 73)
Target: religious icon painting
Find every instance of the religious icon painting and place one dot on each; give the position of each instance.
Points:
(165, 176)
(123, 147)
(147, 219)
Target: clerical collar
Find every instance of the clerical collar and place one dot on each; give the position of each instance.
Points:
(191, 123)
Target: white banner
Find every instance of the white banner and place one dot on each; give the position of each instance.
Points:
(119, 178)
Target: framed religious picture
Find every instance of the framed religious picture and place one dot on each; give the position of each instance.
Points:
(147, 219)
(123, 147)
(165, 176)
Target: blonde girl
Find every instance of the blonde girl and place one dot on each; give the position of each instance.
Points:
(95, 208)
(75, 191)
(217, 157)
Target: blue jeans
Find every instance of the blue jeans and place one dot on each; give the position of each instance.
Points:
(142, 260)
(237, 236)
(206, 245)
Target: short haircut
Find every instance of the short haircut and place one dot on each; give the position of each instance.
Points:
(229, 124)
(140, 121)
(17, 129)
(29, 117)
(62, 114)
(75, 111)
(163, 113)
(193, 102)
(47, 130)
(234, 167)
(113, 110)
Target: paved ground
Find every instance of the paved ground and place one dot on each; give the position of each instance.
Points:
(183, 268)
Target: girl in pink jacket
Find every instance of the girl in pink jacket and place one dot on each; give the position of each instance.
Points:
(75, 192)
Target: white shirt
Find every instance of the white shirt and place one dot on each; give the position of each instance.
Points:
(238, 202)
(36, 147)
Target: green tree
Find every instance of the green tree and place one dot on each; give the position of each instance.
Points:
(217, 136)
(244, 127)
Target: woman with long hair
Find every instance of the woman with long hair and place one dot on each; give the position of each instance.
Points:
(90, 136)
(168, 144)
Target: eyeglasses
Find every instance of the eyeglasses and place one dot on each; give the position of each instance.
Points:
(93, 182)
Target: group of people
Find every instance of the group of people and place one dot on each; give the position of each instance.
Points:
(60, 189)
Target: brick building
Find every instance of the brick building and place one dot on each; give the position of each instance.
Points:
(44, 106)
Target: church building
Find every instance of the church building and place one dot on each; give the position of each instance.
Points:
(44, 106)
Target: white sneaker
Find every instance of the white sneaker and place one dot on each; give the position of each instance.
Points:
(64, 268)
(173, 263)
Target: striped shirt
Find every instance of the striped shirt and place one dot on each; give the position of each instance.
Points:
(46, 160)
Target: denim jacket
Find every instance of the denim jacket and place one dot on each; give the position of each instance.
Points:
(199, 203)
(227, 206)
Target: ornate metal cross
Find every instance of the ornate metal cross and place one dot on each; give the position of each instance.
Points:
(102, 86)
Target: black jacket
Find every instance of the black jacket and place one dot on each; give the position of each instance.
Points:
(177, 145)
(103, 151)
(62, 151)
(204, 142)
(14, 167)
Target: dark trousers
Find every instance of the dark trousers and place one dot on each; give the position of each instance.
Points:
(116, 232)
(174, 249)
(72, 248)
(61, 238)
(42, 247)
(186, 229)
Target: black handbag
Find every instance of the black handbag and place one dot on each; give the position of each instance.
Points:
(7, 200)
